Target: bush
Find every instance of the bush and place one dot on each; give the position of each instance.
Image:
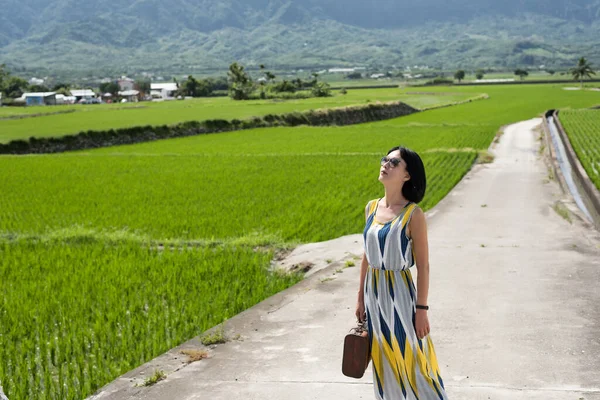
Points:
(354, 75)
(440, 81)
(321, 89)
(285, 86)
(10, 102)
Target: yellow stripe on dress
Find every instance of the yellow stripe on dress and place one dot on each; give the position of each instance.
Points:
(409, 359)
(406, 275)
(392, 277)
(433, 358)
(377, 359)
(389, 355)
(373, 205)
(407, 214)
(422, 359)
(399, 359)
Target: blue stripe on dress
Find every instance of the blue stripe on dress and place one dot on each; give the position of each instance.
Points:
(379, 387)
(384, 329)
(381, 236)
(399, 332)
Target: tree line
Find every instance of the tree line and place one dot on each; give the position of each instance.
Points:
(238, 84)
(582, 70)
(243, 87)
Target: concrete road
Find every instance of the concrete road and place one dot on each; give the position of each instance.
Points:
(514, 305)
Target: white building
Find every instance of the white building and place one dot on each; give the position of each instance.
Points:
(83, 94)
(39, 99)
(131, 96)
(163, 90)
(340, 70)
(126, 83)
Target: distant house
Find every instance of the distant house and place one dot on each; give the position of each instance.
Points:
(125, 83)
(163, 90)
(340, 70)
(39, 99)
(83, 94)
(131, 96)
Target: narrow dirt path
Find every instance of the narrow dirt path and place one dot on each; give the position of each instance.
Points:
(514, 305)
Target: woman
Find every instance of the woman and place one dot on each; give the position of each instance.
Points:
(403, 358)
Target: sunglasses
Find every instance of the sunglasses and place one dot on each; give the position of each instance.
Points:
(394, 162)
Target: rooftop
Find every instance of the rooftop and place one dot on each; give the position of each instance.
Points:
(82, 92)
(163, 86)
(38, 94)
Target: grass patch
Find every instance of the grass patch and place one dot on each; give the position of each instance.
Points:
(561, 210)
(155, 378)
(216, 337)
(349, 263)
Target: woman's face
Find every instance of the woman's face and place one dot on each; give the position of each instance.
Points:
(393, 169)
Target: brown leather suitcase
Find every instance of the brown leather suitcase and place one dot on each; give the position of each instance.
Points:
(357, 352)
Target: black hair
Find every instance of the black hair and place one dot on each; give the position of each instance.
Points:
(413, 189)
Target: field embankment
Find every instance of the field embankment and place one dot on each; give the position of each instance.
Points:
(107, 138)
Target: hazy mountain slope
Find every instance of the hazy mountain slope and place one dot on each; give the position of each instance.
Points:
(155, 34)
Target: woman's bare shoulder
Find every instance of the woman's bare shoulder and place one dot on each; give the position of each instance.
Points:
(416, 220)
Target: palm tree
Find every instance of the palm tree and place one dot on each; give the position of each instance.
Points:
(582, 70)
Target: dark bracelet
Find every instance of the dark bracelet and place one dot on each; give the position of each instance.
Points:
(422, 307)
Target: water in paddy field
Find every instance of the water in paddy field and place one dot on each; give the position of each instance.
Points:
(565, 167)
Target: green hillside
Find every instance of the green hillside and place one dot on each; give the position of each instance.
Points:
(187, 35)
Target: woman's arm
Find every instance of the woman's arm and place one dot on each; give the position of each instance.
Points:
(418, 233)
(363, 272)
(364, 264)
(360, 312)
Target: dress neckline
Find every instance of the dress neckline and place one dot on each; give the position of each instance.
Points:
(393, 219)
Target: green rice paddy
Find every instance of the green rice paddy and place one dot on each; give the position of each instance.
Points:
(583, 129)
(106, 116)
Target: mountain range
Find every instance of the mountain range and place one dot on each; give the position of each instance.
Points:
(208, 35)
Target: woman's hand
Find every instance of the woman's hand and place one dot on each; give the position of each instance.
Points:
(421, 323)
(360, 313)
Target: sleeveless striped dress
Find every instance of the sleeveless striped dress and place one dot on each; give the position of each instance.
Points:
(404, 367)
